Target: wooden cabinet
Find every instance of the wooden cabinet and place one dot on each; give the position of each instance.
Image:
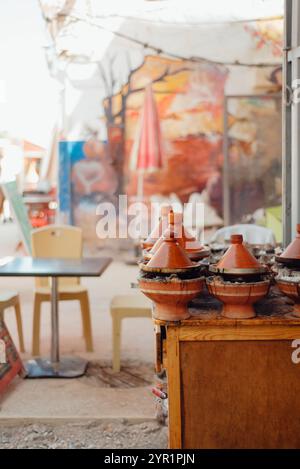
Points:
(232, 383)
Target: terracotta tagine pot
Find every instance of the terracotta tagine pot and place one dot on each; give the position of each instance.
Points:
(159, 229)
(237, 298)
(288, 280)
(193, 248)
(290, 286)
(240, 282)
(162, 279)
(237, 260)
(291, 255)
(171, 296)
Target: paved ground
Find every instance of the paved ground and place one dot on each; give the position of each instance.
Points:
(64, 400)
(137, 335)
(118, 434)
(46, 402)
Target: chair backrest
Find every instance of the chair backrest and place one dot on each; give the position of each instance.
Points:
(60, 241)
(252, 234)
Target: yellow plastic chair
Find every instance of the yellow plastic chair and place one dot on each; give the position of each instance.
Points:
(61, 242)
(12, 300)
(121, 307)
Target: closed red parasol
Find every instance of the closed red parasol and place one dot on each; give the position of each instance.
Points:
(147, 155)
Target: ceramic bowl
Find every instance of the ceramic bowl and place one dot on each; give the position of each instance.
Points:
(237, 298)
(171, 296)
(291, 289)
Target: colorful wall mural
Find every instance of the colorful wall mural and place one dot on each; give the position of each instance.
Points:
(86, 178)
(189, 99)
(190, 102)
(254, 155)
(189, 95)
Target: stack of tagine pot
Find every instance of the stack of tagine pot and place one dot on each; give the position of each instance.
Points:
(158, 230)
(170, 278)
(239, 280)
(193, 248)
(288, 278)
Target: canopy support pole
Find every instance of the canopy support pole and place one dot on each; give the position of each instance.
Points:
(140, 186)
(291, 121)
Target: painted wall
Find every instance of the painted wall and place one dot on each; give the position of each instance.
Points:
(104, 100)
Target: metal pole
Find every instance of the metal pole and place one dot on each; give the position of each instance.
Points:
(286, 129)
(226, 188)
(54, 321)
(295, 114)
(140, 187)
(295, 155)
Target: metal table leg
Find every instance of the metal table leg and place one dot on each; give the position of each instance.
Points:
(54, 322)
(66, 367)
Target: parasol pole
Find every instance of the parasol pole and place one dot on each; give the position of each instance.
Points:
(140, 186)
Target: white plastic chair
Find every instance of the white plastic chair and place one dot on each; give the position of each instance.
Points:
(252, 234)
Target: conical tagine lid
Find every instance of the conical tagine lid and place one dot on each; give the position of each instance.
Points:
(293, 249)
(237, 259)
(170, 256)
(184, 239)
(159, 229)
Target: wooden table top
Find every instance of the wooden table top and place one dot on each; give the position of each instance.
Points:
(275, 309)
(215, 319)
(53, 267)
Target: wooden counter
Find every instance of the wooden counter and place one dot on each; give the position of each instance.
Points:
(231, 383)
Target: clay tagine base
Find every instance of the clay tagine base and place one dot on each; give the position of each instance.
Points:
(292, 290)
(237, 298)
(171, 296)
(170, 312)
(232, 311)
(296, 310)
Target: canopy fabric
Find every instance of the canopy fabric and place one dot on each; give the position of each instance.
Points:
(94, 48)
(213, 31)
(188, 11)
(174, 11)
